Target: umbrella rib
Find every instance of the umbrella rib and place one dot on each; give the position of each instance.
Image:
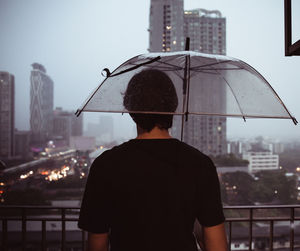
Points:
(238, 115)
(172, 68)
(197, 68)
(211, 64)
(135, 67)
(195, 113)
(79, 111)
(275, 93)
(165, 68)
(206, 72)
(177, 74)
(175, 66)
(238, 103)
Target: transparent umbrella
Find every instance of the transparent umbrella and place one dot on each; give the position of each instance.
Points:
(206, 84)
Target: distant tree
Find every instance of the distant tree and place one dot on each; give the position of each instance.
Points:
(275, 186)
(258, 145)
(290, 159)
(239, 186)
(229, 160)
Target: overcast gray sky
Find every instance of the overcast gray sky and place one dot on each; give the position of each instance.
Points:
(76, 39)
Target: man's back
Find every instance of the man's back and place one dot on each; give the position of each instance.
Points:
(148, 193)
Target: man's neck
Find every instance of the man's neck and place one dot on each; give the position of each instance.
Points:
(155, 133)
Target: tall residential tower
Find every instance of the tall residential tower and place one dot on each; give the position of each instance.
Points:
(7, 115)
(207, 32)
(41, 105)
(166, 25)
(65, 125)
(169, 26)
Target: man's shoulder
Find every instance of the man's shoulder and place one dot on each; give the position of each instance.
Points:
(192, 152)
(114, 151)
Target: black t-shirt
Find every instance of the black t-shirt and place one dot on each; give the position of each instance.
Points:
(147, 194)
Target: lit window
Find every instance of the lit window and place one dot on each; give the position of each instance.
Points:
(168, 27)
(174, 42)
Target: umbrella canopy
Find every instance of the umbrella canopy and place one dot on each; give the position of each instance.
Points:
(205, 84)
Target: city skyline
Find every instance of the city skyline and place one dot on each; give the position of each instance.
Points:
(78, 41)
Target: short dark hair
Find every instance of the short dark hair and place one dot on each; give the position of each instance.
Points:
(151, 90)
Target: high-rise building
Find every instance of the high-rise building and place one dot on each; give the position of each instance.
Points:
(207, 32)
(77, 125)
(22, 144)
(41, 105)
(166, 25)
(65, 125)
(235, 147)
(62, 126)
(169, 26)
(7, 114)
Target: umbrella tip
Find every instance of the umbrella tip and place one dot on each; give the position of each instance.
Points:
(295, 120)
(105, 72)
(77, 113)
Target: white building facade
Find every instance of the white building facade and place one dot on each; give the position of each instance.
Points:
(261, 161)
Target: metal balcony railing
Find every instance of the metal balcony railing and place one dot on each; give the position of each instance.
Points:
(274, 227)
(55, 228)
(40, 228)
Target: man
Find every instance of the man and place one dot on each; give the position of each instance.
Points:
(146, 194)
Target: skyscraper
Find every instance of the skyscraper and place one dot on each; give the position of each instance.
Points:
(77, 125)
(65, 125)
(166, 25)
(62, 127)
(7, 114)
(41, 105)
(207, 32)
(169, 26)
